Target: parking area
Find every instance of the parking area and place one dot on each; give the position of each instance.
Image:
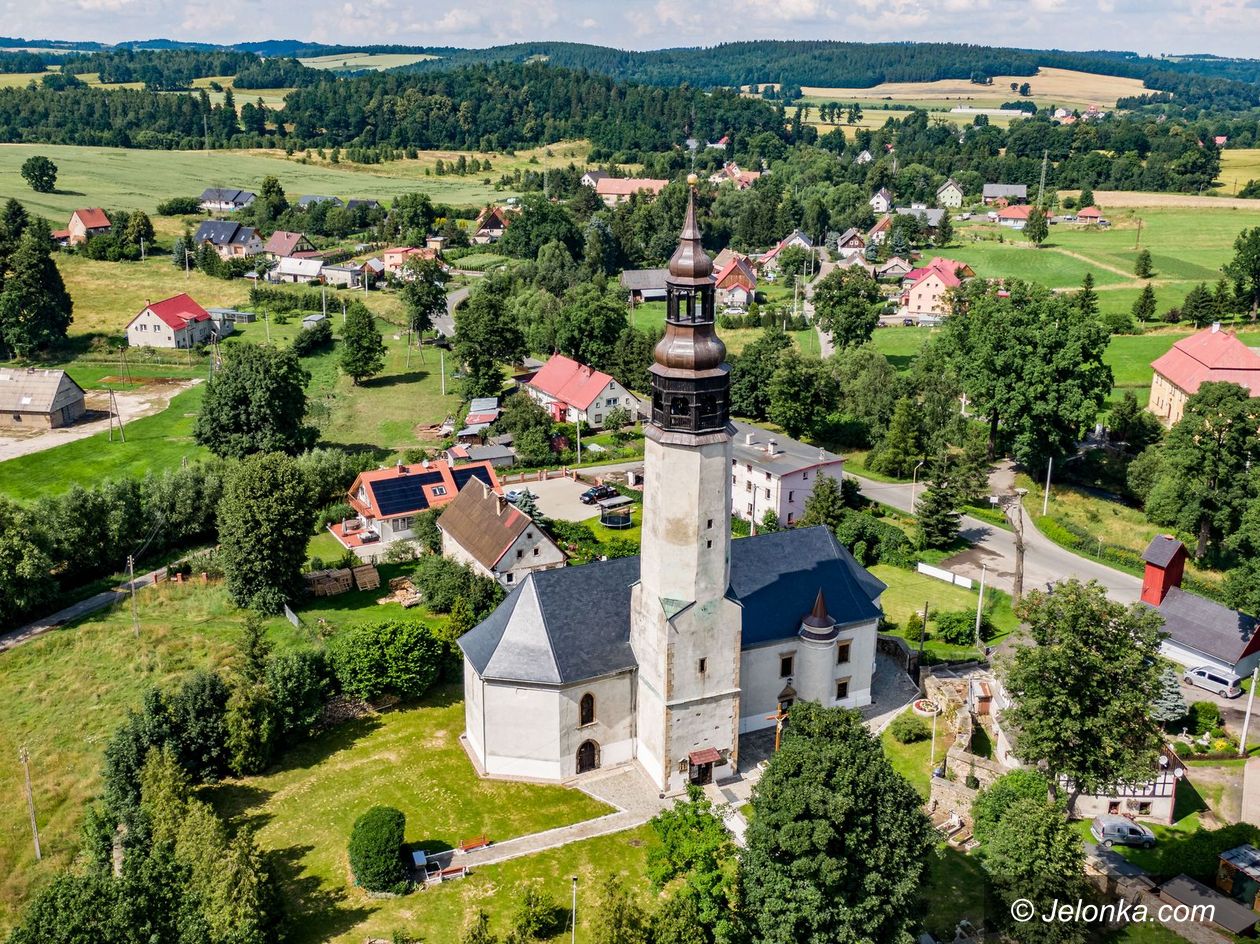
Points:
(558, 498)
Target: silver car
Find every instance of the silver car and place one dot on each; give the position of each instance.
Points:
(1112, 830)
(1214, 680)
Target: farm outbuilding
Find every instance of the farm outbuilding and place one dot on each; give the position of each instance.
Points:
(38, 399)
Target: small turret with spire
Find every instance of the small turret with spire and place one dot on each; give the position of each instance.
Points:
(690, 376)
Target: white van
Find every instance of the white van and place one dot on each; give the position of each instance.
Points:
(1214, 680)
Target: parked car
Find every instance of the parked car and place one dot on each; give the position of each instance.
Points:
(516, 494)
(907, 322)
(597, 493)
(1112, 830)
(1214, 680)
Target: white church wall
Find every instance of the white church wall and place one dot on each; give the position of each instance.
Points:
(523, 738)
(761, 682)
(474, 713)
(612, 729)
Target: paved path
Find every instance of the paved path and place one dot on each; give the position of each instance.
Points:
(1251, 792)
(74, 612)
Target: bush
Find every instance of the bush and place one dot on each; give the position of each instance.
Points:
(443, 581)
(376, 850)
(1183, 749)
(1204, 716)
(914, 628)
(318, 337)
(958, 627)
(992, 803)
(179, 206)
(387, 658)
(299, 683)
(909, 728)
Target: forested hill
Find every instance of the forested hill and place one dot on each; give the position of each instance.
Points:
(483, 107)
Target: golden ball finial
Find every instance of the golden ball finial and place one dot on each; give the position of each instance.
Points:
(692, 180)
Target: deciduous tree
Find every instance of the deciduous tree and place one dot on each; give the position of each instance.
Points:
(40, 173)
(1037, 227)
(255, 403)
(362, 346)
(1244, 268)
(846, 306)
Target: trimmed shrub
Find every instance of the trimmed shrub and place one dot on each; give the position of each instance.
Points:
(1204, 716)
(914, 628)
(388, 658)
(908, 728)
(376, 850)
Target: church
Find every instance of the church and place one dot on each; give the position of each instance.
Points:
(665, 659)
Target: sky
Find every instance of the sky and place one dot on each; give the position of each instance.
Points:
(1225, 27)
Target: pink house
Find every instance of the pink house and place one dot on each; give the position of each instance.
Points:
(925, 288)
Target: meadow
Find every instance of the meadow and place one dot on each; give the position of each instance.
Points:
(347, 61)
(140, 179)
(1065, 87)
(1238, 166)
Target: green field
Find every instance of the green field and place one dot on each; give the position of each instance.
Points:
(364, 60)
(1238, 165)
(138, 179)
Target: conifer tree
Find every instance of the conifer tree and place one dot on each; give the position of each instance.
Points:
(899, 451)
(1142, 267)
(1144, 304)
(1169, 704)
(362, 347)
(938, 515)
(35, 308)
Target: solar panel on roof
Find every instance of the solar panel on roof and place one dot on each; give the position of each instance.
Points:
(405, 493)
(463, 476)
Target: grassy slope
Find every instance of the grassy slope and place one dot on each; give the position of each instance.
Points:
(117, 177)
(908, 591)
(1239, 165)
(409, 757)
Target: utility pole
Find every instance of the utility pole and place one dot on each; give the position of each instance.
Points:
(1018, 589)
(205, 127)
(1251, 697)
(984, 569)
(131, 582)
(442, 357)
(1045, 499)
(142, 256)
(25, 756)
(923, 630)
(115, 415)
(573, 914)
(1041, 192)
(1139, 233)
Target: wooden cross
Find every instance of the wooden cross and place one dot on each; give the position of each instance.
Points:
(778, 718)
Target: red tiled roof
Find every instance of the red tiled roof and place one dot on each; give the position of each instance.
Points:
(283, 243)
(737, 265)
(564, 379)
(1210, 355)
(624, 186)
(429, 478)
(1019, 212)
(94, 218)
(1090, 212)
(177, 311)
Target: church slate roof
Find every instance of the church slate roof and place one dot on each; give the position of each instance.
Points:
(564, 626)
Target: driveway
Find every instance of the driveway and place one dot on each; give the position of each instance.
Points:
(558, 498)
(132, 404)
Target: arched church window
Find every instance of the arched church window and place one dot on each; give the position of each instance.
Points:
(679, 406)
(586, 709)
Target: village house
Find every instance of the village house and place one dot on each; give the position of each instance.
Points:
(490, 225)
(499, 455)
(1089, 214)
(731, 174)
(38, 399)
(311, 199)
(396, 259)
(1200, 631)
(614, 190)
(175, 322)
(850, 242)
(896, 267)
(736, 283)
(230, 240)
(361, 203)
(1014, 217)
(879, 232)
(950, 194)
(768, 261)
(593, 177)
(283, 244)
(297, 271)
(663, 660)
(572, 392)
(924, 293)
(83, 225)
(864, 157)
(482, 529)
(1210, 355)
(644, 285)
(345, 275)
(1004, 194)
(387, 501)
(773, 472)
(225, 199)
(881, 201)
(928, 217)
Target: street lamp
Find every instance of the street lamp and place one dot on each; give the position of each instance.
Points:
(914, 483)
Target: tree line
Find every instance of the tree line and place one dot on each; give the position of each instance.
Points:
(164, 70)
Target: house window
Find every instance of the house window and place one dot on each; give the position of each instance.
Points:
(710, 524)
(842, 652)
(708, 544)
(510, 576)
(748, 486)
(520, 553)
(767, 493)
(598, 419)
(767, 476)
(439, 490)
(804, 476)
(535, 552)
(785, 665)
(586, 710)
(842, 689)
(791, 515)
(404, 524)
(701, 665)
(750, 511)
(791, 497)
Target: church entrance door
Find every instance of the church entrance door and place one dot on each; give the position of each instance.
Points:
(701, 774)
(587, 757)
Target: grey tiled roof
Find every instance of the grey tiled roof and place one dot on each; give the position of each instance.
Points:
(931, 216)
(1205, 626)
(568, 625)
(223, 233)
(790, 455)
(1161, 550)
(993, 191)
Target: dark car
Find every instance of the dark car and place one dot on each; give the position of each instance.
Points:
(597, 493)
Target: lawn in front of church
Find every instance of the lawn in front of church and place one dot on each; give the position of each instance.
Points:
(411, 759)
(908, 590)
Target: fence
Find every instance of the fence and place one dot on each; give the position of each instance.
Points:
(947, 576)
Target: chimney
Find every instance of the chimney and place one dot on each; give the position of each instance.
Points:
(772, 447)
(399, 467)
(748, 438)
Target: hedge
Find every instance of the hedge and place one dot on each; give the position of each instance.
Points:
(376, 850)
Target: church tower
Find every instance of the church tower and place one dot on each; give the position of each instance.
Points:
(685, 630)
